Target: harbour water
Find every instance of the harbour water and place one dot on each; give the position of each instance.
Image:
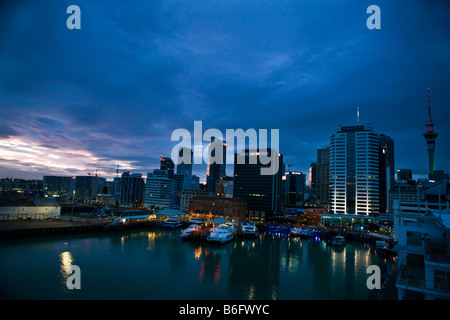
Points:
(156, 264)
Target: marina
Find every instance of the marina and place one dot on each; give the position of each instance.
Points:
(269, 266)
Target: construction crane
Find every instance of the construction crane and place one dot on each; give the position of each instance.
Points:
(288, 163)
(117, 170)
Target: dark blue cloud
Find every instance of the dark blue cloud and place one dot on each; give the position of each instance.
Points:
(135, 72)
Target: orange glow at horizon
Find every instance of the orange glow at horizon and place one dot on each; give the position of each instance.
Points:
(30, 156)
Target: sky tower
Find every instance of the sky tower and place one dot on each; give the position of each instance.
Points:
(430, 137)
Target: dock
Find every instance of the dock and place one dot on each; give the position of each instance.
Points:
(31, 228)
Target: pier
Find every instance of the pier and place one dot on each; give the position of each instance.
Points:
(31, 228)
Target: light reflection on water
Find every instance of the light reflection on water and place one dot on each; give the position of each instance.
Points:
(66, 261)
(157, 264)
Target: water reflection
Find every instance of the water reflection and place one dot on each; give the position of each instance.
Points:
(268, 267)
(66, 260)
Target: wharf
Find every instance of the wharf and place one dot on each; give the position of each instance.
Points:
(31, 228)
(12, 229)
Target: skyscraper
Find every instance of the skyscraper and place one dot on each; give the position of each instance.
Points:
(178, 184)
(312, 176)
(404, 174)
(386, 169)
(430, 137)
(158, 190)
(217, 154)
(185, 168)
(261, 192)
(322, 175)
(166, 163)
(354, 178)
(182, 167)
(294, 188)
(132, 189)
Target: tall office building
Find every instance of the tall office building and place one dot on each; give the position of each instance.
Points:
(217, 155)
(177, 189)
(404, 174)
(386, 170)
(228, 186)
(195, 182)
(322, 175)
(430, 137)
(294, 188)
(132, 189)
(166, 163)
(185, 168)
(312, 176)
(354, 179)
(261, 192)
(158, 190)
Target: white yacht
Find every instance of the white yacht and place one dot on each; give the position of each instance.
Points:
(383, 246)
(186, 232)
(172, 223)
(338, 241)
(249, 230)
(223, 233)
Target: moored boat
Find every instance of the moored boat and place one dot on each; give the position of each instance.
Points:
(189, 230)
(172, 223)
(338, 241)
(222, 234)
(306, 233)
(383, 246)
(249, 230)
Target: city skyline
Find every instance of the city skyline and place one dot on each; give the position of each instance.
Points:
(77, 101)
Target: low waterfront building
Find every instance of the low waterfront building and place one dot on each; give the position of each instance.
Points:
(187, 195)
(348, 221)
(233, 209)
(423, 249)
(107, 199)
(18, 208)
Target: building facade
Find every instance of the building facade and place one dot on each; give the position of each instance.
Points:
(423, 250)
(166, 163)
(187, 195)
(216, 167)
(386, 170)
(158, 190)
(29, 208)
(354, 170)
(294, 189)
(132, 189)
(262, 193)
(231, 208)
(57, 185)
(322, 176)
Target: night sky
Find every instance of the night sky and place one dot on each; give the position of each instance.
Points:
(112, 93)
